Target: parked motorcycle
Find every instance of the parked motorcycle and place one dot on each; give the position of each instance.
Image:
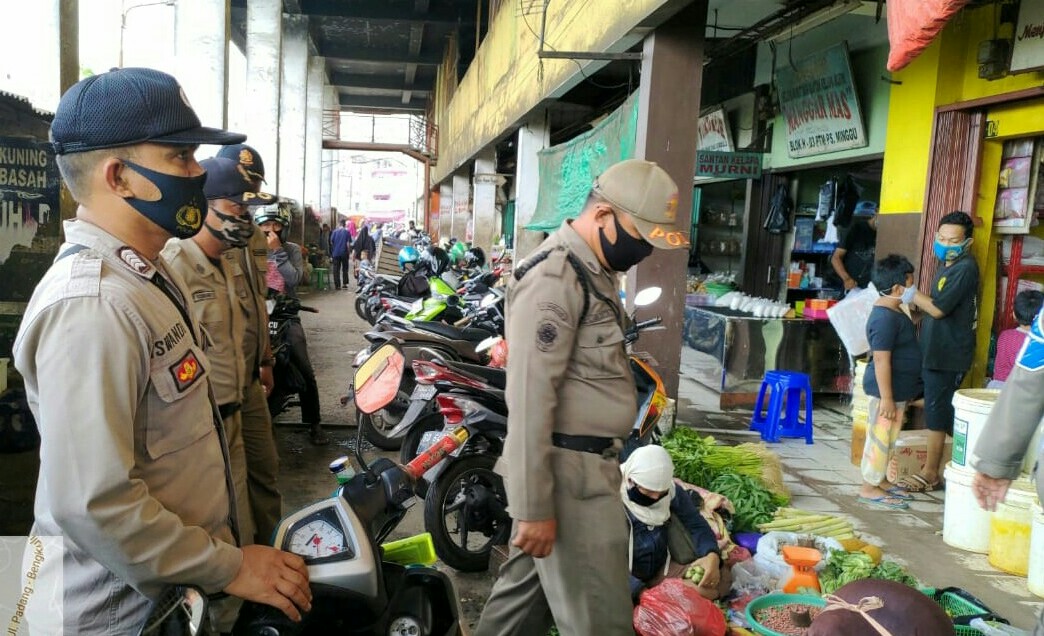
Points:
(289, 379)
(465, 501)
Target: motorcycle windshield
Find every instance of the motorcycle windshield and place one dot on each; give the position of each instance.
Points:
(377, 380)
(439, 287)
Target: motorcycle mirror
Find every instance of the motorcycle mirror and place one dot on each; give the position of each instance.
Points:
(270, 305)
(647, 296)
(181, 609)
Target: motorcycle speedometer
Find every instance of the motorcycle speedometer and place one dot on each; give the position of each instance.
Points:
(317, 539)
(406, 626)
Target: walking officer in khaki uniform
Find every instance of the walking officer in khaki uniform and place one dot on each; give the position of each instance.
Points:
(262, 455)
(215, 282)
(134, 491)
(572, 401)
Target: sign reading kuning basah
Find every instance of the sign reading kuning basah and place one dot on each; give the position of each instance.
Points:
(819, 103)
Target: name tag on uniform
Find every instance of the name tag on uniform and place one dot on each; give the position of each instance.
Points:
(203, 294)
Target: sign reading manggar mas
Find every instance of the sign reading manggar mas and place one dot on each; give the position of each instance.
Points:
(819, 103)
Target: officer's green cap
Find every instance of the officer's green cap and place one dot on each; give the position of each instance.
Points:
(646, 192)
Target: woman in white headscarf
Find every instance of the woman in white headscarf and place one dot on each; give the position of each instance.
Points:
(654, 503)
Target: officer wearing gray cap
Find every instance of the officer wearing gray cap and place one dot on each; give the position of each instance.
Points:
(571, 399)
(134, 473)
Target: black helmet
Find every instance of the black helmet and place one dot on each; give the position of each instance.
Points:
(475, 257)
(436, 259)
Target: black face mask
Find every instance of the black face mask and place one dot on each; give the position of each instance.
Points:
(640, 498)
(181, 207)
(626, 252)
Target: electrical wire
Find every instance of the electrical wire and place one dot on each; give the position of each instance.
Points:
(579, 67)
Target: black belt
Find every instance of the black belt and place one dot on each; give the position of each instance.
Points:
(228, 410)
(583, 443)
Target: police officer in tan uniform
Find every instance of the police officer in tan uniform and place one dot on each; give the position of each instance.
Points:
(133, 461)
(217, 286)
(572, 400)
(262, 455)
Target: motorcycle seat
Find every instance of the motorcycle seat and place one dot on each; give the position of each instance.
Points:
(451, 332)
(492, 376)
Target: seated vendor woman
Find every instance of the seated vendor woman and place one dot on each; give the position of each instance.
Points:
(669, 537)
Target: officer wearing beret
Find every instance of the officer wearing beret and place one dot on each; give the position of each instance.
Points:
(134, 472)
(259, 445)
(572, 401)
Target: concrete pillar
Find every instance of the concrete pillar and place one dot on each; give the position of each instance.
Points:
(263, 50)
(668, 109)
(445, 211)
(36, 68)
(201, 33)
(293, 105)
(459, 221)
(314, 133)
(329, 167)
(484, 199)
(533, 137)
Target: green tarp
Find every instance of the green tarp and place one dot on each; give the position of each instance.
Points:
(568, 169)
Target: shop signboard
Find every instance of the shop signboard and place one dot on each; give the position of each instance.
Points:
(820, 107)
(713, 132)
(29, 218)
(728, 165)
(1027, 53)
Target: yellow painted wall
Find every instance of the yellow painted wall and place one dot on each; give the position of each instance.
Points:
(947, 73)
(506, 80)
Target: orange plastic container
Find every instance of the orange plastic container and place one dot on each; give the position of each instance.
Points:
(803, 560)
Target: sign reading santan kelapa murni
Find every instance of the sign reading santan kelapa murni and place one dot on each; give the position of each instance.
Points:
(736, 165)
(819, 103)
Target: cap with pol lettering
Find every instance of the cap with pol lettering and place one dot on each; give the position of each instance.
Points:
(126, 107)
(227, 179)
(645, 191)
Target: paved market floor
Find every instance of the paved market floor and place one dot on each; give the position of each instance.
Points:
(821, 477)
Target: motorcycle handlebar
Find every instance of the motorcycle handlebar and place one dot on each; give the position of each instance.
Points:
(645, 324)
(312, 310)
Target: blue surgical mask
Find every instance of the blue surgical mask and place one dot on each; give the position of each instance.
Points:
(181, 207)
(949, 253)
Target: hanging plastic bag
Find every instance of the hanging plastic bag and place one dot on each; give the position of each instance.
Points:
(847, 197)
(849, 317)
(778, 219)
(674, 608)
(825, 205)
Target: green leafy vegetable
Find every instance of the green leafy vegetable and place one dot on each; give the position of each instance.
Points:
(753, 502)
(844, 567)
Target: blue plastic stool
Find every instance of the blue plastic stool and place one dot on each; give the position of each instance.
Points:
(783, 415)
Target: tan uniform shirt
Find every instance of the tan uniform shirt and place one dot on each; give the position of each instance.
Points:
(562, 376)
(251, 263)
(131, 461)
(212, 288)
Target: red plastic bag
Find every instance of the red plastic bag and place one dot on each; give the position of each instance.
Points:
(913, 24)
(674, 608)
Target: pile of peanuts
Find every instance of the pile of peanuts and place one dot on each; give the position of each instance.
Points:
(778, 618)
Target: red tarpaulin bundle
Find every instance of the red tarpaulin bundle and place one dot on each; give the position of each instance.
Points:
(913, 24)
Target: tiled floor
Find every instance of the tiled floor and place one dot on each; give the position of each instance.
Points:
(821, 477)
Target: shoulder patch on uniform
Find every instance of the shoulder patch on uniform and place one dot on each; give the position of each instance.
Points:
(134, 262)
(186, 371)
(555, 309)
(203, 294)
(942, 283)
(547, 334)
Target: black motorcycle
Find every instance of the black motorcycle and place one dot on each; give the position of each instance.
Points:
(289, 379)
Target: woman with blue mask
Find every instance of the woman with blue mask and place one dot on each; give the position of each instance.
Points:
(947, 338)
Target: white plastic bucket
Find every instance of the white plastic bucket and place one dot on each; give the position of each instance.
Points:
(1035, 577)
(970, 409)
(965, 524)
(1010, 529)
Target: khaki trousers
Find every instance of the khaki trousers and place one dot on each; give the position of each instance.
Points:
(583, 585)
(237, 464)
(262, 464)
